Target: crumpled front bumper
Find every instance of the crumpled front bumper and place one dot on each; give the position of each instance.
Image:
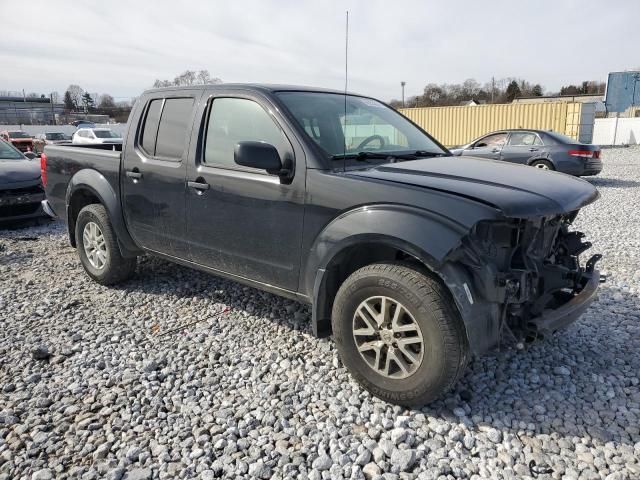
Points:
(553, 320)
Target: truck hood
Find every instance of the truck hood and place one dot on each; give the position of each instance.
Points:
(16, 171)
(519, 191)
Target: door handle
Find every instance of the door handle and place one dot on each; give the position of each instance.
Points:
(532, 149)
(134, 174)
(495, 150)
(198, 185)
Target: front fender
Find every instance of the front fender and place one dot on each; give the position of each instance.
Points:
(421, 233)
(425, 235)
(95, 182)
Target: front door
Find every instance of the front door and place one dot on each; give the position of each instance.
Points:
(242, 220)
(154, 173)
(488, 147)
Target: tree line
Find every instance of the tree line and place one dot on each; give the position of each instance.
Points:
(76, 99)
(188, 77)
(504, 90)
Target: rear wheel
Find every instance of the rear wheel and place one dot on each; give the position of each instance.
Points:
(542, 165)
(98, 247)
(399, 333)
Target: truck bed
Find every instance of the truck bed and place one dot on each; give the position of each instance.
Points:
(63, 161)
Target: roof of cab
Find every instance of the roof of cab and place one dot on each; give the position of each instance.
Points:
(261, 87)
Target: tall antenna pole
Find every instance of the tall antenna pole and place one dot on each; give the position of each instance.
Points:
(346, 79)
(346, 54)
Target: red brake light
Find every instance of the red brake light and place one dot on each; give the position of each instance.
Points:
(596, 154)
(43, 169)
(584, 153)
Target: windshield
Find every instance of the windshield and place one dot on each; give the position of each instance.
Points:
(105, 134)
(369, 126)
(55, 136)
(9, 152)
(18, 135)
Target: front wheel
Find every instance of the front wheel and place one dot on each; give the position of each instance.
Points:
(98, 247)
(398, 332)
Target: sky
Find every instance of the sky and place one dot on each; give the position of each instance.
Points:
(122, 47)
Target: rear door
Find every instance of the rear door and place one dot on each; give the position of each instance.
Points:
(522, 147)
(154, 170)
(241, 220)
(488, 146)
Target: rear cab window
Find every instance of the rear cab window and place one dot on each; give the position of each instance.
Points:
(167, 123)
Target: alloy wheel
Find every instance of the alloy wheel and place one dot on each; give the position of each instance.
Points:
(387, 337)
(94, 245)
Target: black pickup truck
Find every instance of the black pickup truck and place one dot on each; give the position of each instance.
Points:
(413, 259)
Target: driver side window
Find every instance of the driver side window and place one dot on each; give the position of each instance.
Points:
(234, 120)
(494, 140)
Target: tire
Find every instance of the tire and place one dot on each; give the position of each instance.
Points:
(543, 164)
(426, 304)
(109, 267)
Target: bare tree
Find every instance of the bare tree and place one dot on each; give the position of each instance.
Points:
(75, 93)
(162, 83)
(106, 101)
(188, 77)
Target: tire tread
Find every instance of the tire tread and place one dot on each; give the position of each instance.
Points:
(434, 295)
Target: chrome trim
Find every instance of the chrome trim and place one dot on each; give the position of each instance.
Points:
(47, 209)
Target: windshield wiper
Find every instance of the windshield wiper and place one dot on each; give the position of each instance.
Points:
(411, 155)
(360, 156)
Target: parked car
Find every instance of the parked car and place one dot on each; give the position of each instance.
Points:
(538, 148)
(95, 136)
(52, 138)
(83, 124)
(19, 139)
(414, 260)
(48, 138)
(21, 191)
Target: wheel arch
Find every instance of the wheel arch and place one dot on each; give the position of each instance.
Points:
(369, 235)
(89, 187)
(546, 159)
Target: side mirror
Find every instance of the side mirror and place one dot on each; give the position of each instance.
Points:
(480, 145)
(261, 155)
(30, 155)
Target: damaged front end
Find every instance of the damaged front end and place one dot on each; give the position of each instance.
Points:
(526, 279)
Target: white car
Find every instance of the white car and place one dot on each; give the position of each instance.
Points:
(93, 136)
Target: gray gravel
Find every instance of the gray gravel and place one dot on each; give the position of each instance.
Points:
(177, 374)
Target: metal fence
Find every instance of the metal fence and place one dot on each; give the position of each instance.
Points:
(617, 131)
(459, 125)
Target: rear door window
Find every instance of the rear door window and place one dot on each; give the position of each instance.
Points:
(150, 129)
(166, 127)
(524, 139)
(175, 124)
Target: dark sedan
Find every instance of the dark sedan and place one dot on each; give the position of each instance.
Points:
(538, 148)
(21, 192)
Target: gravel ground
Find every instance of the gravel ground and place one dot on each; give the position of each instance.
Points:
(177, 374)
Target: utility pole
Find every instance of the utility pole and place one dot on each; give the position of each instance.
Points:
(53, 113)
(402, 84)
